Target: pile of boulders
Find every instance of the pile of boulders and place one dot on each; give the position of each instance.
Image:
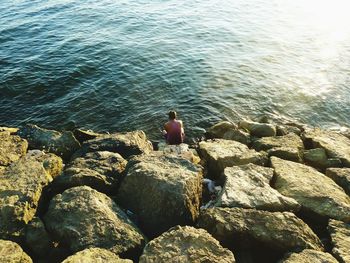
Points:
(277, 193)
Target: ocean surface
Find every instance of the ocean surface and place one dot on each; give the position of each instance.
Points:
(121, 65)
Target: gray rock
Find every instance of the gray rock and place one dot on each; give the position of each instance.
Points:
(99, 170)
(286, 129)
(257, 129)
(237, 135)
(21, 185)
(291, 154)
(126, 144)
(340, 235)
(316, 157)
(82, 218)
(163, 191)
(278, 230)
(37, 239)
(220, 154)
(335, 144)
(82, 135)
(62, 144)
(341, 176)
(186, 244)
(93, 255)
(308, 256)
(313, 190)
(218, 130)
(12, 148)
(11, 252)
(248, 186)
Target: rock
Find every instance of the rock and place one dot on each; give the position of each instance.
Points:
(334, 162)
(335, 144)
(275, 230)
(182, 151)
(126, 144)
(92, 255)
(100, 170)
(340, 235)
(220, 154)
(316, 157)
(185, 244)
(51, 162)
(313, 190)
(81, 217)
(12, 148)
(21, 185)
(82, 135)
(218, 130)
(8, 130)
(163, 191)
(10, 252)
(258, 129)
(286, 129)
(291, 154)
(62, 144)
(237, 135)
(248, 186)
(37, 239)
(308, 256)
(341, 176)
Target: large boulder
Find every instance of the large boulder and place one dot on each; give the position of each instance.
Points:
(248, 186)
(83, 135)
(238, 135)
(186, 244)
(218, 130)
(12, 148)
(92, 255)
(257, 129)
(316, 157)
(275, 230)
(340, 235)
(82, 218)
(308, 256)
(62, 144)
(21, 185)
(220, 153)
(11, 252)
(341, 176)
(335, 144)
(316, 192)
(100, 170)
(163, 191)
(288, 147)
(126, 144)
(182, 150)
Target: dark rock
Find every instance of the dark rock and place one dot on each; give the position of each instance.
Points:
(82, 135)
(163, 191)
(316, 157)
(81, 217)
(186, 244)
(62, 144)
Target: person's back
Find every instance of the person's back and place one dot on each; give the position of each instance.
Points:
(174, 132)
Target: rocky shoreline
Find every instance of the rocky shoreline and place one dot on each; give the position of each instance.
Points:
(254, 191)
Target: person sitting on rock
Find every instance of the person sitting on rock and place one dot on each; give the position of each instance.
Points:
(173, 130)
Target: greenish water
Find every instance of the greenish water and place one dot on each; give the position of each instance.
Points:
(121, 65)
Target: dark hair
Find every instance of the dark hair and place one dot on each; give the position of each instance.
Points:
(172, 115)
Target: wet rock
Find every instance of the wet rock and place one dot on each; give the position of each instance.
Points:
(92, 255)
(257, 129)
(21, 185)
(313, 190)
(341, 176)
(126, 144)
(340, 235)
(185, 244)
(100, 170)
(237, 135)
(248, 186)
(12, 148)
(335, 144)
(11, 252)
(219, 129)
(163, 191)
(220, 154)
(82, 135)
(316, 157)
(308, 256)
(275, 230)
(37, 239)
(61, 144)
(81, 217)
